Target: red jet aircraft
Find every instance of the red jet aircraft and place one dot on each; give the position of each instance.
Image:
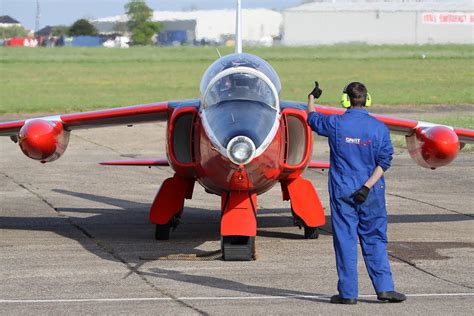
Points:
(237, 140)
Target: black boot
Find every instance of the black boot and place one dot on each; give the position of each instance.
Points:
(336, 299)
(391, 296)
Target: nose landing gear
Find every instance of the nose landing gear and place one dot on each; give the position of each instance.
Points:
(238, 226)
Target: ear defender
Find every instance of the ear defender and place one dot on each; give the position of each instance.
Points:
(345, 101)
(368, 100)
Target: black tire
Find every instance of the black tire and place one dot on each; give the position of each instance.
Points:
(162, 232)
(238, 248)
(311, 232)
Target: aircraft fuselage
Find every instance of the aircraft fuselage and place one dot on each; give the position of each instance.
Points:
(239, 138)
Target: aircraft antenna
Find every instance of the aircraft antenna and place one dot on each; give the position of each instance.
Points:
(38, 16)
(238, 28)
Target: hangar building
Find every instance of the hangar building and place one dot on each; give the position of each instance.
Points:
(213, 25)
(379, 23)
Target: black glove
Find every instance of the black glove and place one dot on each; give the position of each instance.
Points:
(360, 195)
(316, 93)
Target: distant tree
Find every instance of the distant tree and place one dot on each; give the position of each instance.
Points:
(140, 24)
(82, 27)
(14, 31)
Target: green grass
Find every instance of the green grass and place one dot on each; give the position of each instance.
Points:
(77, 79)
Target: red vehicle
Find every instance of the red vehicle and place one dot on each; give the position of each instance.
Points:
(237, 140)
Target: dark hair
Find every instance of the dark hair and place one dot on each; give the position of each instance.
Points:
(357, 93)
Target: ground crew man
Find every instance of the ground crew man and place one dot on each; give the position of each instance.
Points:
(360, 153)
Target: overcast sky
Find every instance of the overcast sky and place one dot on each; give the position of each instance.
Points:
(56, 12)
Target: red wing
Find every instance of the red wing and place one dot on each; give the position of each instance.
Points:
(465, 135)
(11, 128)
(163, 162)
(116, 116)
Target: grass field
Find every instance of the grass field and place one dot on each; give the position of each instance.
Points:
(77, 79)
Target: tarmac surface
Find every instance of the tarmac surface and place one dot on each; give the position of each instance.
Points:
(75, 238)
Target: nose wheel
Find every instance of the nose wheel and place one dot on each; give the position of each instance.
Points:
(238, 248)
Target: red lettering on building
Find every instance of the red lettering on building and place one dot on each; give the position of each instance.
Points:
(452, 18)
(429, 18)
(448, 18)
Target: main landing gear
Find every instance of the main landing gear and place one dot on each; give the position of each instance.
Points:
(309, 232)
(306, 207)
(162, 231)
(168, 205)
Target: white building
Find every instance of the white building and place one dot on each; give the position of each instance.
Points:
(380, 23)
(213, 25)
(7, 21)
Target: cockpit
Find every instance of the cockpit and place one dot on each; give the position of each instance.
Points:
(244, 76)
(240, 83)
(240, 106)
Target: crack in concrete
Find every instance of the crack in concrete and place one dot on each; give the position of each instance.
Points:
(430, 204)
(429, 273)
(106, 248)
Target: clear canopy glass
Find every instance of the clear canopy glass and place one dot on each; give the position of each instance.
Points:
(240, 60)
(241, 85)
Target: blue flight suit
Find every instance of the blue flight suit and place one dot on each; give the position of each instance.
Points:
(359, 143)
